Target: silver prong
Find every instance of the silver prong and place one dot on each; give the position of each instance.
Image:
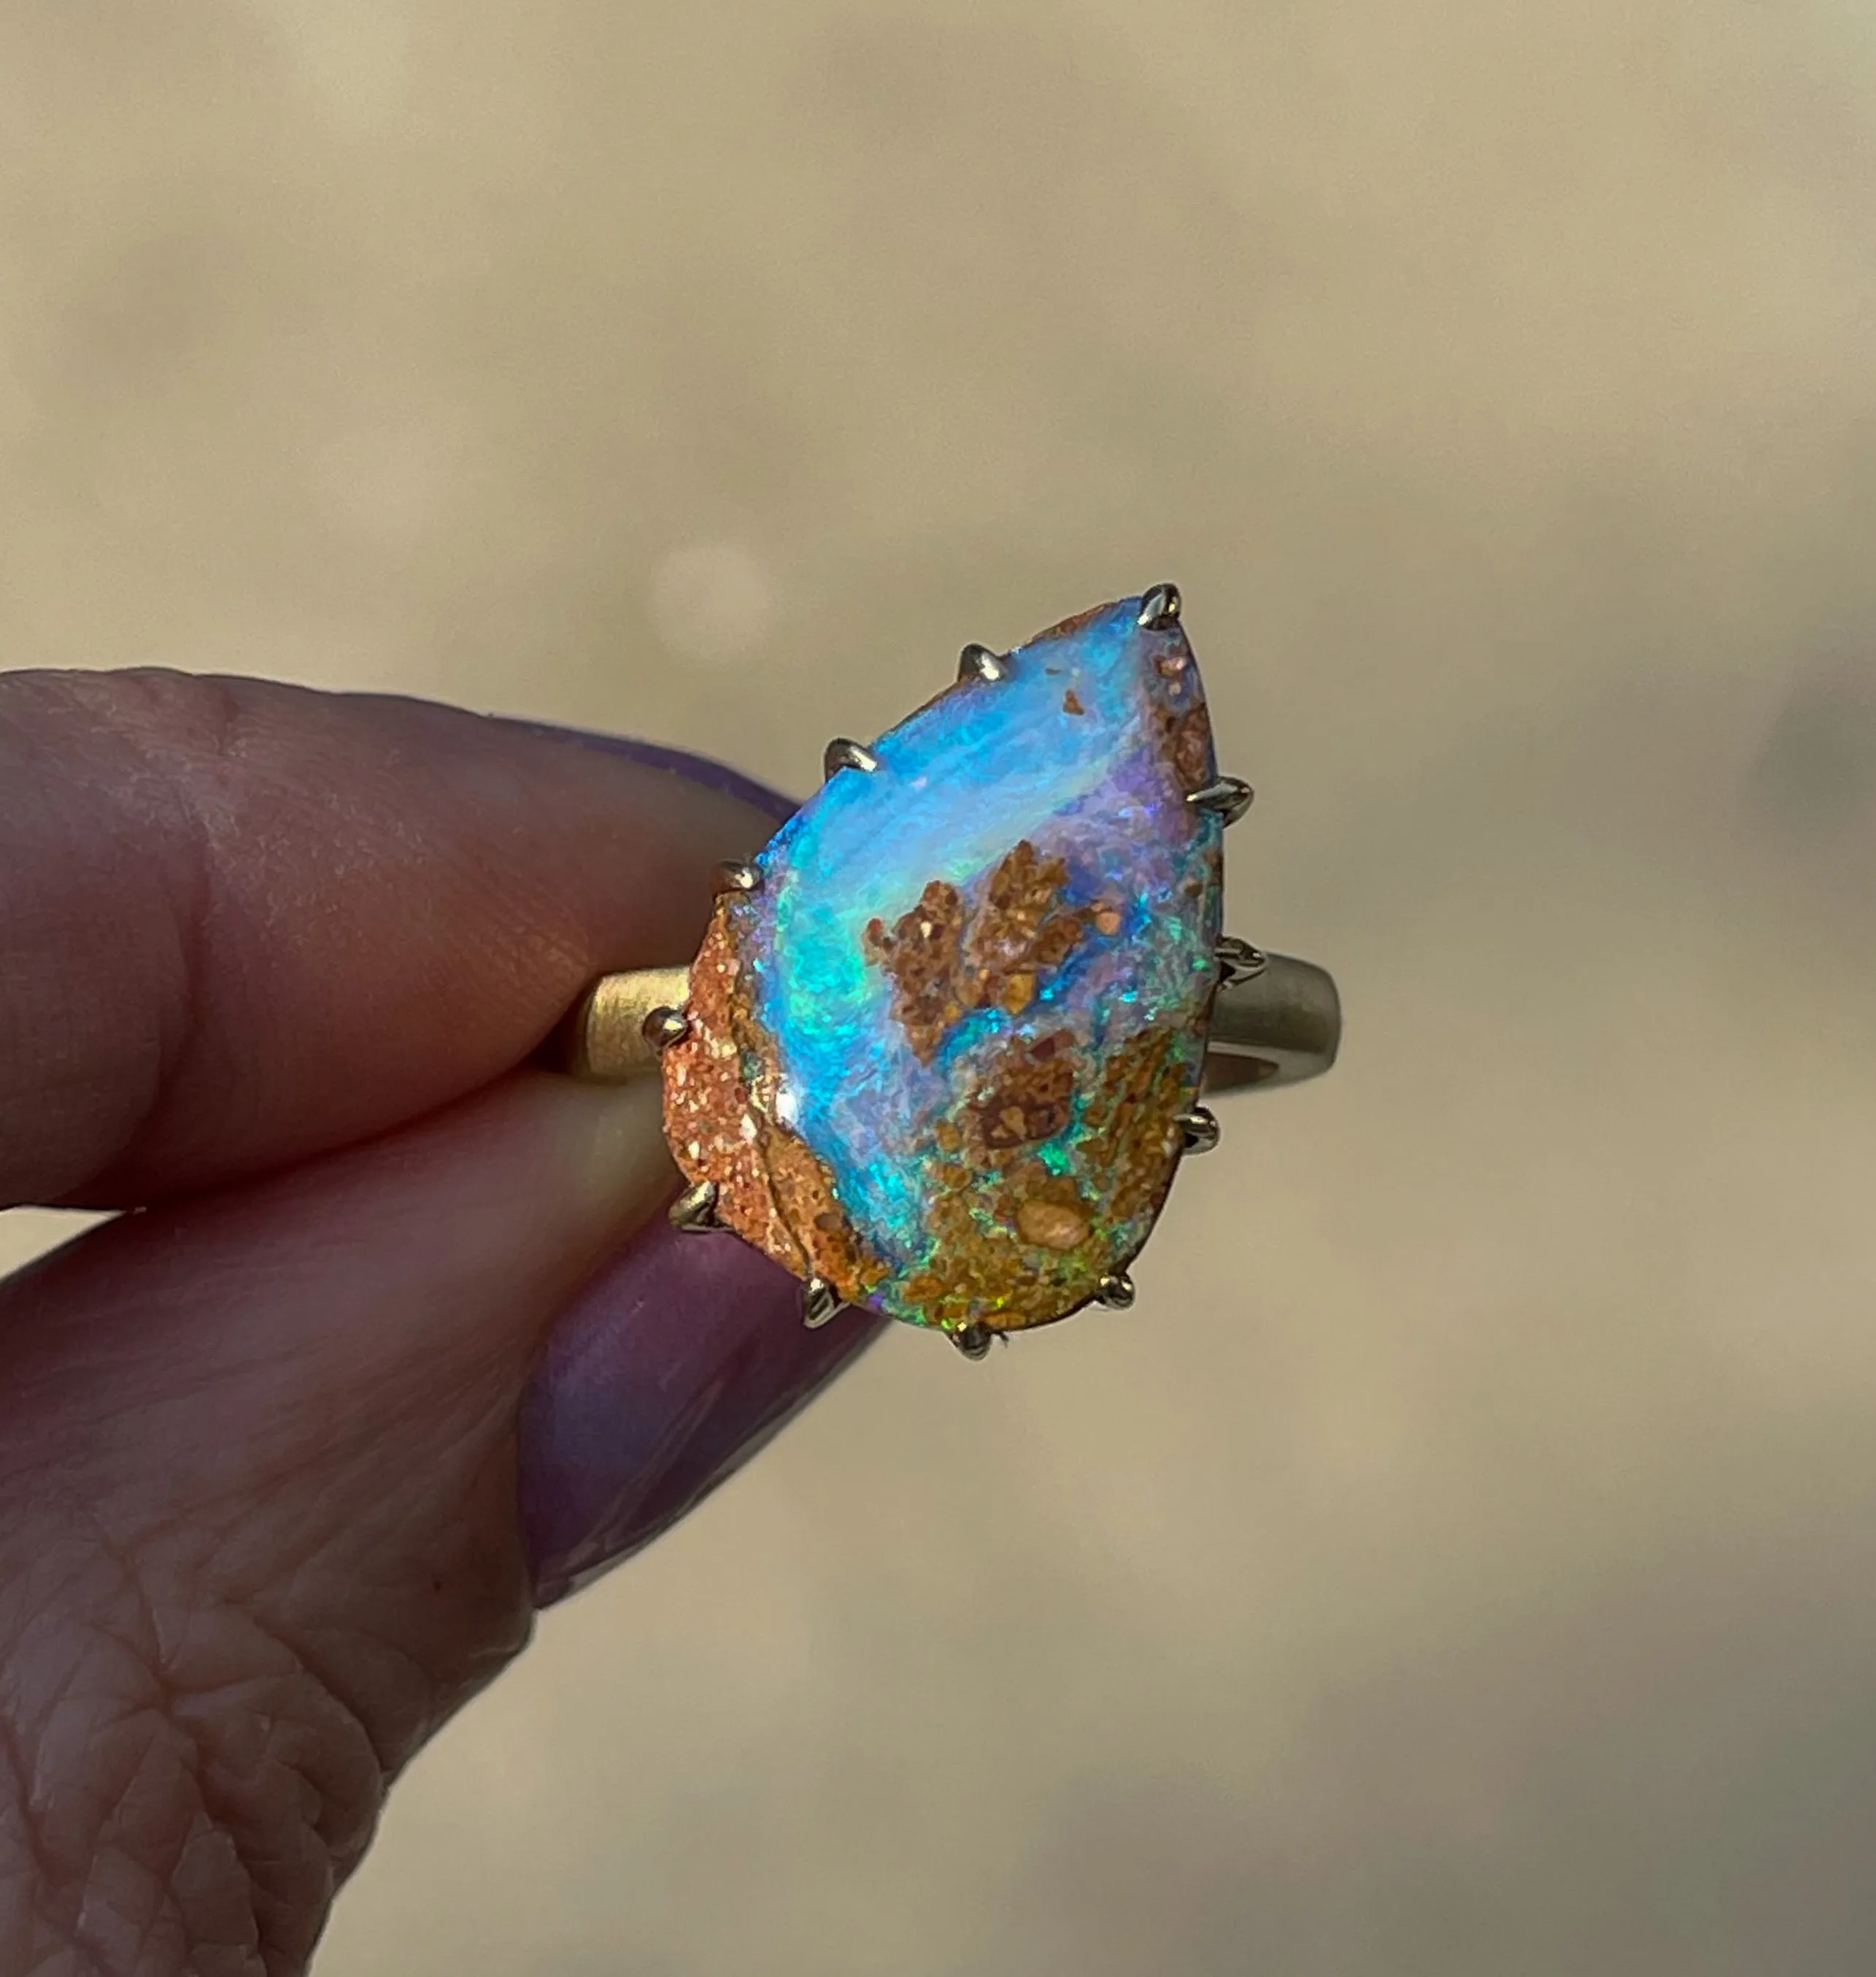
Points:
(694, 1211)
(973, 1341)
(1159, 608)
(979, 662)
(735, 878)
(663, 1026)
(1229, 797)
(820, 1302)
(1116, 1291)
(842, 753)
(1238, 961)
(1200, 1129)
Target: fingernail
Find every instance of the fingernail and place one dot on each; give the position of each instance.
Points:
(674, 1367)
(701, 769)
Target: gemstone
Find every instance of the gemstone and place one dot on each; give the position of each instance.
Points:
(939, 1054)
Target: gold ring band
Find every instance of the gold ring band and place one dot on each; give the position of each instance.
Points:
(1279, 1025)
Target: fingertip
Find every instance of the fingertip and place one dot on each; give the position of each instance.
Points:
(397, 902)
(705, 771)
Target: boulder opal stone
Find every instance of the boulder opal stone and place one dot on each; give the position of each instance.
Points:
(938, 1056)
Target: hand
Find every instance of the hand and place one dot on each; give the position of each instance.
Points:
(285, 1473)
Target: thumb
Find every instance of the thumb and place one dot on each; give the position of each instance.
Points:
(261, 1536)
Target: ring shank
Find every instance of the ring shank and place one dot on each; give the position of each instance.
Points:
(1282, 1026)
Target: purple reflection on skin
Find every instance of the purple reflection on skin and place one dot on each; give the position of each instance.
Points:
(677, 1363)
(674, 1367)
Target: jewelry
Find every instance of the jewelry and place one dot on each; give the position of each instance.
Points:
(942, 1050)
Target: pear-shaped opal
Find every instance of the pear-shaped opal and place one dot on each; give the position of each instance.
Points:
(939, 1056)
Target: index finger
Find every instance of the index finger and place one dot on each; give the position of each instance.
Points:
(241, 923)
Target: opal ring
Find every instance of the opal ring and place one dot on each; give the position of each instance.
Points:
(942, 1051)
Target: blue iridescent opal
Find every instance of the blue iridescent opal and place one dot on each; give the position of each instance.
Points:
(939, 1056)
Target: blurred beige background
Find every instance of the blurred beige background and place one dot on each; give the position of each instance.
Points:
(1463, 1560)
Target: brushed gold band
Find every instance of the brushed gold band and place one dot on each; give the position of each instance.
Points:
(1283, 1024)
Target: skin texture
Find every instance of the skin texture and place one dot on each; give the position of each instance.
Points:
(274, 966)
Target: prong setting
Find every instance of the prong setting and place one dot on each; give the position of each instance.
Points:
(820, 1302)
(1159, 608)
(1238, 961)
(843, 753)
(1198, 1129)
(1229, 798)
(961, 896)
(694, 1211)
(663, 1026)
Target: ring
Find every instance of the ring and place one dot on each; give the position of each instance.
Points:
(940, 1052)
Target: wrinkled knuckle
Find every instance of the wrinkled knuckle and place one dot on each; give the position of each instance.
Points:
(190, 1810)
